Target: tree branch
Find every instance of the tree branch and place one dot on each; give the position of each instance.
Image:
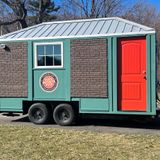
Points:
(10, 22)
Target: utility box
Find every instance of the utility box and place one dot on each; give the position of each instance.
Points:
(104, 66)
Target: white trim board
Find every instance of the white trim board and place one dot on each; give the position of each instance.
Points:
(80, 36)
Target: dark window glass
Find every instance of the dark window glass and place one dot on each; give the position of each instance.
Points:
(40, 50)
(57, 50)
(49, 55)
(49, 50)
(41, 61)
(57, 60)
(49, 60)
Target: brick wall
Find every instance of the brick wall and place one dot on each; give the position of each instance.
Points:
(89, 68)
(13, 70)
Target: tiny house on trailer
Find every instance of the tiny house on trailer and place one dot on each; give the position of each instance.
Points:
(95, 66)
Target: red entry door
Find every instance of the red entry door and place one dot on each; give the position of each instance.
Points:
(132, 74)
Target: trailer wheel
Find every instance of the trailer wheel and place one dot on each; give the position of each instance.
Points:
(64, 115)
(38, 113)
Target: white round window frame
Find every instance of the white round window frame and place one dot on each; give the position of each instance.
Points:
(41, 84)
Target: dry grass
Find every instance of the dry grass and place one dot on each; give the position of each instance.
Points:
(29, 143)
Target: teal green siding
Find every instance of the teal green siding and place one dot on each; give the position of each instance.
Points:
(111, 105)
(148, 72)
(67, 62)
(11, 104)
(151, 77)
(59, 94)
(110, 77)
(93, 105)
(114, 72)
(62, 92)
(30, 73)
(87, 105)
(153, 74)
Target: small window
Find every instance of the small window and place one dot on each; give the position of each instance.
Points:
(48, 55)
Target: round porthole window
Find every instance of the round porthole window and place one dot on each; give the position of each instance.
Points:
(49, 82)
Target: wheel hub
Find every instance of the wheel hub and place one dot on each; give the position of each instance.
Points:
(38, 114)
(64, 115)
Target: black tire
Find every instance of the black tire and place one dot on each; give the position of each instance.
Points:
(38, 113)
(64, 115)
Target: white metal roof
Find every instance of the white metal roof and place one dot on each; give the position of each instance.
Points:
(79, 28)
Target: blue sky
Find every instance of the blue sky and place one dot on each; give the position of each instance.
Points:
(156, 3)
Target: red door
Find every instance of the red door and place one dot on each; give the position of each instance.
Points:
(132, 74)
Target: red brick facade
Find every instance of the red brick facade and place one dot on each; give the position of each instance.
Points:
(13, 70)
(89, 68)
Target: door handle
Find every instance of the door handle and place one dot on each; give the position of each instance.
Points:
(144, 74)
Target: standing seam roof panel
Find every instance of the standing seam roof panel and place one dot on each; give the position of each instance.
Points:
(90, 28)
(83, 28)
(113, 26)
(10, 36)
(69, 29)
(36, 31)
(63, 29)
(76, 29)
(17, 35)
(79, 28)
(55, 30)
(20, 32)
(106, 27)
(49, 30)
(141, 30)
(136, 29)
(128, 28)
(42, 31)
(98, 27)
(120, 27)
(25, 34)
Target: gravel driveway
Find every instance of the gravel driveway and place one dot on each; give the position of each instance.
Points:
(97, 125)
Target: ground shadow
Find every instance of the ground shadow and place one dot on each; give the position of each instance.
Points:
(110, 122)
(136, 123)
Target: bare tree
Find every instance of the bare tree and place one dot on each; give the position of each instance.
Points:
(3, 17)
(91, 8)
(148, 15)
(17, 14)
(19, 11)
(43, 10)
(111, 8)
(143, 13)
